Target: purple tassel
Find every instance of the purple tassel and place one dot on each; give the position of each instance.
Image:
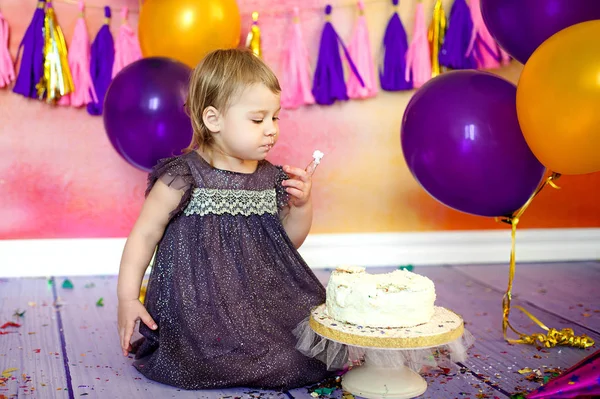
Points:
(32, 63)
(329, 84)
(392, 74)
(458, 36)
(101, 64)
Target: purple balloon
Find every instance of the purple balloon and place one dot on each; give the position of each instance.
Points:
(520, 26)
(462, 142)
(144, 113)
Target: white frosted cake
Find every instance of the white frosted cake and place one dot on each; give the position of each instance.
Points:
(397, 299)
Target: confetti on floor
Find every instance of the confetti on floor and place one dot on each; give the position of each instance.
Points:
(80, 325)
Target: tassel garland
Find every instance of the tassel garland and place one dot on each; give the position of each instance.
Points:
(56, 80)
(81, 76)
(393, 67)
(7, 68)
(295, 79)
(453, 54)
(253, 38)
(31, 69)
(329, 84)
(418, 56)
(437, 31)
(79, 62)
(359, 49)
(482, 44)
(127, 45)
(101, 64)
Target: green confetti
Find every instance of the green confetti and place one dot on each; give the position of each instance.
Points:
(67, 284)
(324, 391)
(517, 396)
(18, 313)
(100, 302)
(546, 379)
(406, 267)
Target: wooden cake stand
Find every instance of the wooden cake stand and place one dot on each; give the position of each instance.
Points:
(371, 381)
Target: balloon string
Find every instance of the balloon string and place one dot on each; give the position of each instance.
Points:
(553, 337)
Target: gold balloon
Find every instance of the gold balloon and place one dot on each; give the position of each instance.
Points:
(187, 30)
(558, 100)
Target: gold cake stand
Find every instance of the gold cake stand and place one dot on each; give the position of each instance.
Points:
(371, 381)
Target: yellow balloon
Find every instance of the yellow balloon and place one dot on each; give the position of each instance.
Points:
(558, 100)
(187, 30)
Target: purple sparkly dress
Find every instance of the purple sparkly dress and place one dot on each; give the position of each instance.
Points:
(227, 287)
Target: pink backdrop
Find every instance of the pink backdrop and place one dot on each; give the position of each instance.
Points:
(60, 177)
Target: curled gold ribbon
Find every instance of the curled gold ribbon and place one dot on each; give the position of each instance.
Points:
(553, 337)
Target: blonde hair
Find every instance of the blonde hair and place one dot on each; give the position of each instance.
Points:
(216, 79)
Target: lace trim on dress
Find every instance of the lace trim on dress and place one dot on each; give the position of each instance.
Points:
(205, 201)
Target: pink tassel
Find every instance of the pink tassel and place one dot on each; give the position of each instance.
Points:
(505, 56)
(418, 56)
(66, 99)
(79, 62)
(295, 79)
(360, 51)
(127, 46)
(482, 43)
(7, 67)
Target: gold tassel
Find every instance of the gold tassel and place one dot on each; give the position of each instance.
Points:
(553, 337)
(56, 80)
(253, 38)
(145, 281)
(143, 290)
(437, 31)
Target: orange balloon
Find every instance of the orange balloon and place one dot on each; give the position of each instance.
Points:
(187, 30)
(558, 100)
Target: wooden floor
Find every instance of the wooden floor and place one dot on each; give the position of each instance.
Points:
(67, 346)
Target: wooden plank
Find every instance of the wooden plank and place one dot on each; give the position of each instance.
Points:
(455, 384)
(34, 349)
(490, 372)
(566, 289)
(104, 372)
(439, 385)
(96, 363)
(492, 358)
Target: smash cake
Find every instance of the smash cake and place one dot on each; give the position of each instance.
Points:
(397, 299)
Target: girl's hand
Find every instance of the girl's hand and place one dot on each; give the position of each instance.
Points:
(129, 312)
(298, 185)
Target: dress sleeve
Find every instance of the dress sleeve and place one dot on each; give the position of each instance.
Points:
(175, 173)
(282, 196)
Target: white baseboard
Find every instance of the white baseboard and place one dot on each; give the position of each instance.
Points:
(101, 256)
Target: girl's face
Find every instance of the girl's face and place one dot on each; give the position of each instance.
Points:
(249, 128)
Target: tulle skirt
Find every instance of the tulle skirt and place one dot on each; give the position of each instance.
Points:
(338, 356)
